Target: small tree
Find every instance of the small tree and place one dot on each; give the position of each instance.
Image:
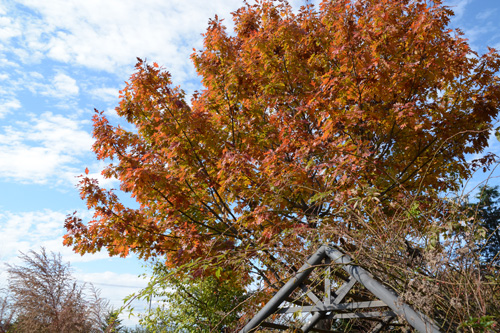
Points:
(186, 304)
(112, 324)
(488, 212)
(46, 298)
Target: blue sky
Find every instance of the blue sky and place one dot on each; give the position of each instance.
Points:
(60, 59)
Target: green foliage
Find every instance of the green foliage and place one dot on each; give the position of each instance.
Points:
(481, 324)
(183, 304)
(112, 323)
(137, 329)
(487, 210)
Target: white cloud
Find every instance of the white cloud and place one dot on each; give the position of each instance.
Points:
(107, 95)
(59, 133)
(109, 35)
(8, 105)
(26, 231)
(8, 28)
(65, 85)
(35, 76)
(61, 86)
(4, 62)
(45, 148)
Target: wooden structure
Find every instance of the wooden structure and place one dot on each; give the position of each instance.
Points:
(385, 308)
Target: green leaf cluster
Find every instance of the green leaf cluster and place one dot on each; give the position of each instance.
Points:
(179, 303)
(487, 210)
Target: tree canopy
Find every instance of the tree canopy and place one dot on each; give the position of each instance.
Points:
(302, 114)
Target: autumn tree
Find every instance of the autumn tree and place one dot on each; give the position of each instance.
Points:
(307, 122)
(46, 298)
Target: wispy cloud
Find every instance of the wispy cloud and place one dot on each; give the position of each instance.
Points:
(42, 149)
(8, 100)
(8, 105)
(105, 94)
(458, 7)
(25, 231)
(9, 28)
(109, 35)
(62, 86)
(486, 14)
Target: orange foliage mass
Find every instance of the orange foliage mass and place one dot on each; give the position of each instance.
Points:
(299, 113)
